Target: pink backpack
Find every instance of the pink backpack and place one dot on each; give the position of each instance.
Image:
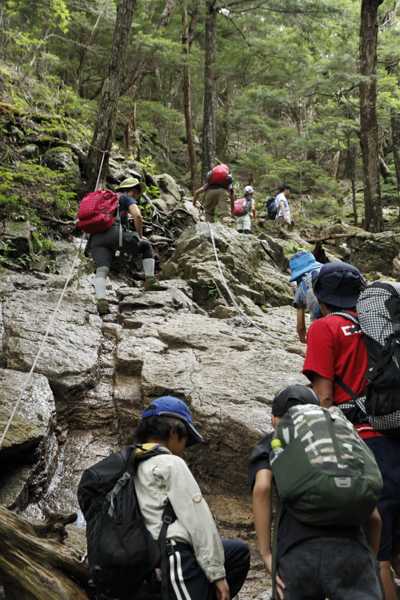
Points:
(96, 211)
(220, 175)
(240, 208)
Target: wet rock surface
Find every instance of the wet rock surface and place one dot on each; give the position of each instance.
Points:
(98, 374)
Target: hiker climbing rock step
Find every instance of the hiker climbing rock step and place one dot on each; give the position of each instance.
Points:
(104, 216)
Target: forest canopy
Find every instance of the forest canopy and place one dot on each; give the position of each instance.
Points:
(287, 80)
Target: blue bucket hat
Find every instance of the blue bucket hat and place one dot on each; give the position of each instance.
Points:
(168, 406)
(338, 283)
(302, 262)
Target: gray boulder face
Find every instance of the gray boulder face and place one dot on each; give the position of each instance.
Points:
(227, 375)
(70, 355)
(369, 252)
(248, 269)
(63, 159)
(119, 169)
(30, 152)
(29, 449)
(18, 235)
(168, 185)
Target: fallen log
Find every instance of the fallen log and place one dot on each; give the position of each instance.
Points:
(333, 236)
(36, 568)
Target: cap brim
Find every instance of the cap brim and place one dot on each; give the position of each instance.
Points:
(194, 437)
(337, 300)
(304, 270)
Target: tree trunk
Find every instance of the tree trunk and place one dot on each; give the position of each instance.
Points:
(175, 86)
(353, 183)
(131, 140)
(395, 121)
(335, 165)
(210, 90)
(34, 568)
(186, 92)
(368, 116)
(392, 66)
(104, 132)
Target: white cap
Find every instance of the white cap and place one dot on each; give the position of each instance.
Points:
(248, 190)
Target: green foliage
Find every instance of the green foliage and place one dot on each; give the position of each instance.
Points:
(28, 191)
(212, 291)
(323, 209)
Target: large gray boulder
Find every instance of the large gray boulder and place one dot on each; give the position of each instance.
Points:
(29, 448)
(371, 251)
(227, 375)
(70, 355)
(246, 266)
(18, 236)
(63, 159)
(168, 185)
(30, 152)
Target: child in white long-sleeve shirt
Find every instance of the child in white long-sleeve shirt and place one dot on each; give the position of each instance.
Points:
(200, 566)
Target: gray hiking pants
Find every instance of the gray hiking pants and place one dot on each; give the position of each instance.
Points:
(328, 567)
(103, 246)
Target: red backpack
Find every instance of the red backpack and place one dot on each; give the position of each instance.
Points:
(241, 207)
(96, 212)
(220, 175)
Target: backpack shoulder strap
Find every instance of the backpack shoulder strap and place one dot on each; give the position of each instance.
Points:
(278, 514)
(346, 315)
(345, 387)
(168, 517)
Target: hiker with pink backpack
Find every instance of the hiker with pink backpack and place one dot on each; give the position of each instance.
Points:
(103, 214)
(242, 209)
(219, 193)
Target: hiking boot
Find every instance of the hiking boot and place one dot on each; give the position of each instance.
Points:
(151, 285)
(102, 306)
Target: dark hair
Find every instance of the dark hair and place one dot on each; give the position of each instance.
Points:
(334, 308)
(158, 428)
(285, 186)
(135, 187)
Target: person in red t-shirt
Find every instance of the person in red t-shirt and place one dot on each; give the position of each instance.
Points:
(334, 350)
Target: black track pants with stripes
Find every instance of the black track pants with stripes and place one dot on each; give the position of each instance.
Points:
(188, 582)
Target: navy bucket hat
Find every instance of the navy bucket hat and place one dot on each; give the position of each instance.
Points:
(338, 283)
(303, 262)
(169, 406)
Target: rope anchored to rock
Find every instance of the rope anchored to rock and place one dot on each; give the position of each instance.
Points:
(244, 319)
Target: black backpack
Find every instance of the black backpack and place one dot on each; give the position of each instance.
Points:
(122, 554)
(272, 209)
(378, 317)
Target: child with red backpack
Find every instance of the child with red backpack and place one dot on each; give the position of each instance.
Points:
(104, 216)
(219, 192)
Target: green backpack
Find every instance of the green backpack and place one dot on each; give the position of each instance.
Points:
(325, 475)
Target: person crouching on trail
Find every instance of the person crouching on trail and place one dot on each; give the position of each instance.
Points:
(103, 245)
(302, 264)
(243, 223)
(200, 566)
(309, 561)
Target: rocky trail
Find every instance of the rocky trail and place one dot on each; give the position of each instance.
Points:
(96, 374)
